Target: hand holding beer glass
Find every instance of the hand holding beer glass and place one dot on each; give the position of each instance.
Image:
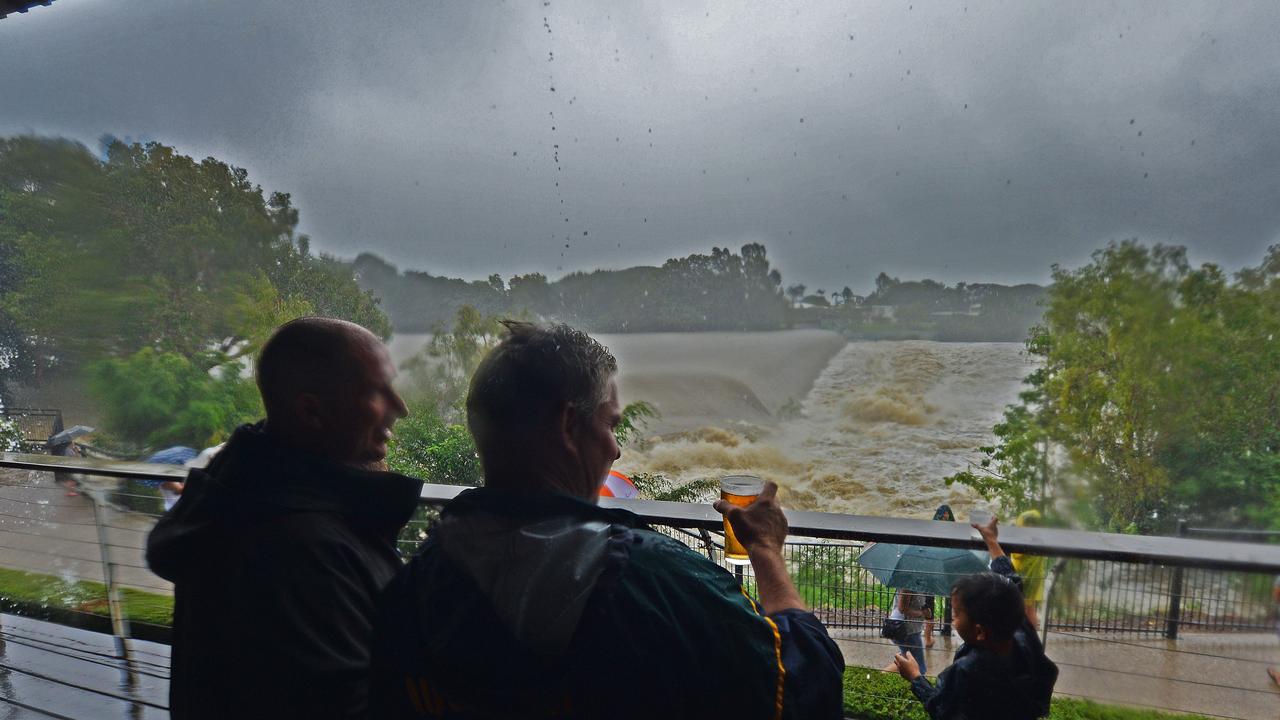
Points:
(755, 529)
(751, 516)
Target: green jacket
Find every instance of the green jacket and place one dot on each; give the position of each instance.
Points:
(550, 607)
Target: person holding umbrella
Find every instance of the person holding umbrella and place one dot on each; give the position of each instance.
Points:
(943, 513)
(1001, 672)
(909, 613)
(916, 572)
(63, 444)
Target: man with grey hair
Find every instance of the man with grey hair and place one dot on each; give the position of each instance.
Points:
(279, 549)
(529, 600)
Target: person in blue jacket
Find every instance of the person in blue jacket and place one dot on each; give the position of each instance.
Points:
(529, 600)
(1001, 672)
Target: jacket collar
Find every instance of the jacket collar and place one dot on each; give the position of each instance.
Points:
(504, 503)
(284, 479)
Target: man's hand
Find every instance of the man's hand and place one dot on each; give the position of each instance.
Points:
(760, 526)
(906, 666)
(762, 529)
(989, 532)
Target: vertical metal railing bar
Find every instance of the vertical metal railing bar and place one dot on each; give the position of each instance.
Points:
(1175, 594)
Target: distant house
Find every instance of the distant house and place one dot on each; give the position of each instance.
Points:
(974, 310)
(883, 312)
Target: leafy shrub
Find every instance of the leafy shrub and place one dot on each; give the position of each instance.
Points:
(427, 447)
(158, 399)
(11, 438)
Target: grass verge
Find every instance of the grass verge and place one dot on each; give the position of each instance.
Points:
(21, 591)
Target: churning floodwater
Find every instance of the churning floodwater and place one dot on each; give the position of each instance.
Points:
(862, 427)
(883, 424)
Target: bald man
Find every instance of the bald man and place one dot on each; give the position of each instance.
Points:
(279, 548)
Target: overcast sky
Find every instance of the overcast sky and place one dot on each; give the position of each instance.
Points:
(961, 141)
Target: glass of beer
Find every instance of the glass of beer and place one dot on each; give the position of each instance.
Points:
(740, 490)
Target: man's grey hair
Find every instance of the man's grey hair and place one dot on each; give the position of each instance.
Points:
(527, 379)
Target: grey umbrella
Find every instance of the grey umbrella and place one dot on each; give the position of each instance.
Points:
(927, 570)
(68, 435)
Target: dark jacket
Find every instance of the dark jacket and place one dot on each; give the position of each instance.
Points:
(550, 607)
(277, 559)
(980, 685)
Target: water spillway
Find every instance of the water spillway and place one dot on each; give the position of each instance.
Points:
(883, 424)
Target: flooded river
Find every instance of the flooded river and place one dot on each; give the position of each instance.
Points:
(862, 427)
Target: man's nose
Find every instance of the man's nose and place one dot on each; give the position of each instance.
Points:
(398, 405)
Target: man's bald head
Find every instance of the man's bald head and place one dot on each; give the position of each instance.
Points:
(309, 355)
(327, 387)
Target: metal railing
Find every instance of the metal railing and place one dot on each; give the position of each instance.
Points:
(1122, 587)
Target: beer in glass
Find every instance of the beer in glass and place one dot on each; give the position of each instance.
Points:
(740, 490)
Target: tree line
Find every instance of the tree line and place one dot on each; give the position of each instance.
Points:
(723, 290)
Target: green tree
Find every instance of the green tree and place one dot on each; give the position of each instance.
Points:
(151, 248)
(427, 447)
(154, 399)
(438, 376)
(1157, 397)
(11, 437)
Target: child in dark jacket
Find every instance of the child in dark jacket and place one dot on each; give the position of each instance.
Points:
(1001, 672)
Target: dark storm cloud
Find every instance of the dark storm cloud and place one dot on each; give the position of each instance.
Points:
(963, 142)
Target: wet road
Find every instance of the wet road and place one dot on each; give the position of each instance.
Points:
(1215, 675)
(43, 530)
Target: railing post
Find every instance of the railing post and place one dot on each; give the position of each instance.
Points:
(1175, 594)
(707, 544)
(1049, 584)
(119, 621)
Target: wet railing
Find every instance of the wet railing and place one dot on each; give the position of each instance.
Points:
(1106, 595)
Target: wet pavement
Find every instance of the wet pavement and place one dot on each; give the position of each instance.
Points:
(43, 530)
(1215, 675)
(53, 670)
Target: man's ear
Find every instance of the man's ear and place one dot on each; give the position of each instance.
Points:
(309, 410)
(979, 633)
(566, 427)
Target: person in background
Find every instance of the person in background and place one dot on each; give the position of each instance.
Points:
(68, 480)
(529, 600)
(170, 489)
(279, 549)
(1032, 568)
(909, 607)
(1001, 671)
(942, 514)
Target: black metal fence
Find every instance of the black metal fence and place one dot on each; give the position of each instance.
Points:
(1100, 596)
(37, 425)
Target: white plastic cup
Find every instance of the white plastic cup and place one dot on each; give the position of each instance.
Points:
(978, 517)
